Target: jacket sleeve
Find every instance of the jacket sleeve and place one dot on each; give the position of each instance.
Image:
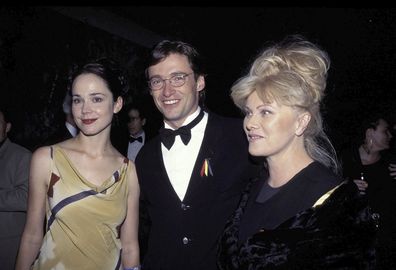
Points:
(15, 198)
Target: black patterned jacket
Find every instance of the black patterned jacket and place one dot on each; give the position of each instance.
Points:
(338, 234)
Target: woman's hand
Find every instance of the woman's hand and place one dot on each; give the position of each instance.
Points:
(361, 184)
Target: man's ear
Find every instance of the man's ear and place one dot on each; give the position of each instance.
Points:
(200, 83)
(118, 105)
(8, 127)
(302, 123)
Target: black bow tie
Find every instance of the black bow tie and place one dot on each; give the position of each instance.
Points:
(168, 135)
(132, 139)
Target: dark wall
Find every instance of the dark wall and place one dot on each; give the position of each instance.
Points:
(37, 45)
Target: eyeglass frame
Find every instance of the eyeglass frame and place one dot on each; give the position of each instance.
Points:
(183, 75)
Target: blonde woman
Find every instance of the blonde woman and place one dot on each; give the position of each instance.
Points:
(286, 218)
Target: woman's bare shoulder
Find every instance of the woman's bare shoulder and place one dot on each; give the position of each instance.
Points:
(43, 153)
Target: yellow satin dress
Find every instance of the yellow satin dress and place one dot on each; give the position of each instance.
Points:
(83, 220)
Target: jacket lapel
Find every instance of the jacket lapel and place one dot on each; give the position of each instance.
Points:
(205, 165)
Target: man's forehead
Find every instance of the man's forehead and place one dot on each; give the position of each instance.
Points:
(133, 112)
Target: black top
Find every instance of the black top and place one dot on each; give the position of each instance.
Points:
(298, 194)
(376, 175)
(381, 196)
(337, 234)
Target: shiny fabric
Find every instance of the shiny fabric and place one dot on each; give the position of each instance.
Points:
(83, 220)
(337, 234)
(168, 135)
(132, 139)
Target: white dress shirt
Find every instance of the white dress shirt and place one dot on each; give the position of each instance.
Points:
(179, 161)
(134, 148)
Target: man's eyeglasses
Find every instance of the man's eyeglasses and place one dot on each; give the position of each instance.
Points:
(176, 81)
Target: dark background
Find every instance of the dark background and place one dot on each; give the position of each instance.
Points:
(38, 44)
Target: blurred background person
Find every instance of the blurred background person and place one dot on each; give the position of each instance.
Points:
(129, 135)
(67, 130)
(14, 176)
(365, 163)
(137, 135)
(392, 151)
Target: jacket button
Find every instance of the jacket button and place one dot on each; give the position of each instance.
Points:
(185, 206)
(185, 240)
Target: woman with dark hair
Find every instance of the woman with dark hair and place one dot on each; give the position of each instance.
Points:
(85, 188)
(366, 164)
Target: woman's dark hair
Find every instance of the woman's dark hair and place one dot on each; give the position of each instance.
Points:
(106, 69)
(370, 121)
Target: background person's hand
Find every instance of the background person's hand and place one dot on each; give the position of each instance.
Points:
(392, 170)
(361, 184)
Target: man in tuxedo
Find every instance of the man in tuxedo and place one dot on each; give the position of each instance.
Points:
(14, 176)
(69, 129)
(192, 174)
(137, 136)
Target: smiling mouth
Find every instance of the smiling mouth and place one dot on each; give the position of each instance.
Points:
(170, 102)
(88, 121)
(254, 137)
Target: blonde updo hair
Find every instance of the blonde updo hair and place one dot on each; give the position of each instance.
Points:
(292, 73)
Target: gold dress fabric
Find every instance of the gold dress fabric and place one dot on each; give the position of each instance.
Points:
(83, 220)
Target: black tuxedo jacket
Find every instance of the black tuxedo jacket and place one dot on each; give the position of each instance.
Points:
(184, 234)
(120, 139)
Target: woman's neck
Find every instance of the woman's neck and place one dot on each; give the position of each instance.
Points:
(283, 170)
(368, 157)
(94, 145)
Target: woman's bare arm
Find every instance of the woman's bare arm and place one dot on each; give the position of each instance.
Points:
(32, 237)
